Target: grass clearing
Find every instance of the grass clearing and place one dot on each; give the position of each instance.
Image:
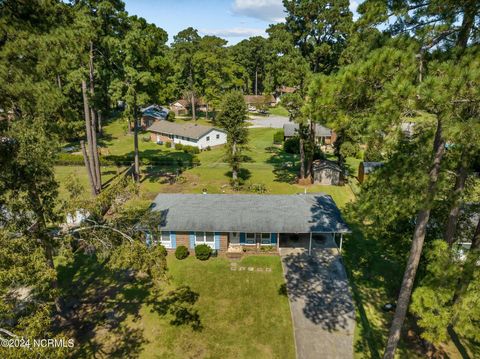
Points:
(266, 165)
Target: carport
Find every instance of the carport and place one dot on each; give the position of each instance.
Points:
(309, 241)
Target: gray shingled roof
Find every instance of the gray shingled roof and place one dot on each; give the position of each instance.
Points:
(302, 213)
(189, 130)
(290, 129)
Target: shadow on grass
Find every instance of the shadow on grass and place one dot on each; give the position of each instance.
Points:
(101, 307)
(243, 174)
(284, 164)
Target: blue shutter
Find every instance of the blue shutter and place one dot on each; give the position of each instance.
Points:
(192, 240)
(242, 238)
(217, 240)
(173, 239)
(273, 238)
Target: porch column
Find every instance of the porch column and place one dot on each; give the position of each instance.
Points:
(278, 242)
(310, 244)
(341, 241)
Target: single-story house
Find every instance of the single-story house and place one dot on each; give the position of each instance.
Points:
(328, 173)
(365, 168)
(187, 134)
(257, 101)
(180, 107)
(153, 113)
(323, 135)
(229, 222)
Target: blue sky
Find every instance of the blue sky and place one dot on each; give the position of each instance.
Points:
(233, 20)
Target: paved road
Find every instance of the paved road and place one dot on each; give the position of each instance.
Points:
(268, 121)
(321, 304)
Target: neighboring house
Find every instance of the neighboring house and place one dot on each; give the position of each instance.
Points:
(327, 172)
(180, 107)
(323, 135)
(365, 168)
(282, 90)
(187, 134)
(153, 113)
(232, 222)
(257, 101)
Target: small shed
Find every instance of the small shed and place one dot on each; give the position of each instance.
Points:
(327, 172)
(365, 168)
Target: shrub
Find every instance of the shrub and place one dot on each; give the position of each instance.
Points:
(278, 137)
(146, 139)
(257, 188)
(349, 149)
(208, 148)
(168, 144)
(171, 116)
(292, 145)
(181, 252)
(203, 252)
(178, 146)
(160, 250)
(191, 149)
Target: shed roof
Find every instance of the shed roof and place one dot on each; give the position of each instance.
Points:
(290, 129)
(189, 130)
(302, 213)
(320, 165)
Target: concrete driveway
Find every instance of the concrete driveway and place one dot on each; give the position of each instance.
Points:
(270, 121)
(320, 301)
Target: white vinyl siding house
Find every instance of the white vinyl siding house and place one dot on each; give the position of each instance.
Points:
(187, 134)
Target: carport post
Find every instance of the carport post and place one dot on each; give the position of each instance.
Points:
(341, 241)
(310, 244)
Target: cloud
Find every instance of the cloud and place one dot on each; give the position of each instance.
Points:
(267, 10)
(234, 32)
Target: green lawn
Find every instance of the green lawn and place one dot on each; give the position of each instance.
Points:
(242, 314)
(278, 110)
(266, 165)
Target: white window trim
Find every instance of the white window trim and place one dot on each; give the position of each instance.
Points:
(165, 240)
(203, 239)
(269, 239)
(254, 239)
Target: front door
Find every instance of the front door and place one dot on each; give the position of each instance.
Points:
(234, 238)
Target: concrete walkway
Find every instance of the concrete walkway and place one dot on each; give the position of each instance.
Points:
(320, 301)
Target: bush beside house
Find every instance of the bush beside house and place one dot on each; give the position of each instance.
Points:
(181, 252)
(203, 252)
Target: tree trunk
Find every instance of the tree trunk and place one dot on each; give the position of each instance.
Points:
(194, 115)
(88, 128)
(311, 139)
(206, 113)
(302, 159)
(94, 154)
(100, 122)
(469, 13)
(417, 245)
(234, 165)
(135, 140)
(256, 81)
(461, 178)
(87, 166)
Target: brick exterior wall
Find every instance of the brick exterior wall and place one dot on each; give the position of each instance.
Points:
(183, 239)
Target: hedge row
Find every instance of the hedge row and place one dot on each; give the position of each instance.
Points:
(68, 159)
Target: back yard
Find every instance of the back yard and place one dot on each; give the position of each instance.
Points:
(267, 168)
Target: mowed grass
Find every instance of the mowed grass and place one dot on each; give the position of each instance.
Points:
(266, 165)
(243, 314)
